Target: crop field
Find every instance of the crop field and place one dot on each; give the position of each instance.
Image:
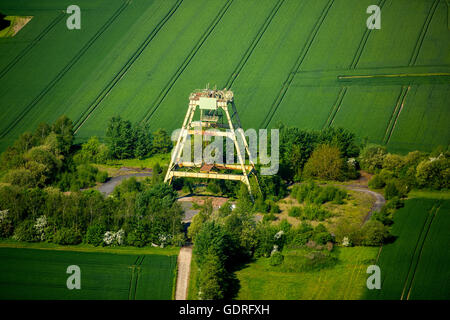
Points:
(41, 274)
(311, 64)
(416, 265)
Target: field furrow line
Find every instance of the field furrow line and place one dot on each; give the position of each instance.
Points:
(398, 115)
(421, 250)
(423, 32)
(32, 44)
(336, 107)
(136, 279)
(253, 45)
(295, 69)
(61, 74)
(394, 112)
(418, 248)
(187, 60)
(362, 43)
(120, 74)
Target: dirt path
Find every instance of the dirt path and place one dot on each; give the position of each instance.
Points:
(184, 269)
(108, 187)
(379, 199)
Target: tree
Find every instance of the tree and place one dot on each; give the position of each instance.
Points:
(143, 141)
(92, 152)
(161, 141)
(94, 234)
(211, 239)
(376, 182)
(374, 233)
(372, 158)
(211, 279)
(63, 127)
(120, 138)
(325, 163)
(434, 173)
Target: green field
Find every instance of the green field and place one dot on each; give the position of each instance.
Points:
(416, 265)
(344, 281)
(284, 59)
(41, 274)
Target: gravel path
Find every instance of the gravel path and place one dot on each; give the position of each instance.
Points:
(184, 269)
(108, 187)
(379, 199)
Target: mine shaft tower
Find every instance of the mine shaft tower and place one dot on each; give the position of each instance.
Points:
(214, 108)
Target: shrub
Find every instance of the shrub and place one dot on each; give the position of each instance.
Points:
(269, 217)
(323, 237)
(339, 196)
(295, 212)
(138, 237)
(274, 208)
(391, 190)
(376, 182)
(276, 259)
(94, 234)
(6, 226)
(285, 226)
(261, 206)
(26, 231)
(67, 236)
(315, 212)
(374, 233)
(101, 176)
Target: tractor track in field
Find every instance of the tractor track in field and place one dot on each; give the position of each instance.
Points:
(336, 107)
(253, 45)
(423, 32)
(63, 72)
(30, 46)
(134, 279)
(187, 61)
(418, 249)
(405, 89)
(128, 64)
(396, 114)
(362, 43)
(295, 69)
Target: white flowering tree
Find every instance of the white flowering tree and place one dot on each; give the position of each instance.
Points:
(40, 225)
(114, 238)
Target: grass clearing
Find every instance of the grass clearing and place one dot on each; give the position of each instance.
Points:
(346, 280)
(16, 24)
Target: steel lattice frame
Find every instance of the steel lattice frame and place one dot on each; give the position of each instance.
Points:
(214, 100)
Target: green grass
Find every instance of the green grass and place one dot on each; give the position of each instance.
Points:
(282, 59)
(139, 163)
(192, 290)
(27, 273)
(415, 265)
(346, 280)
